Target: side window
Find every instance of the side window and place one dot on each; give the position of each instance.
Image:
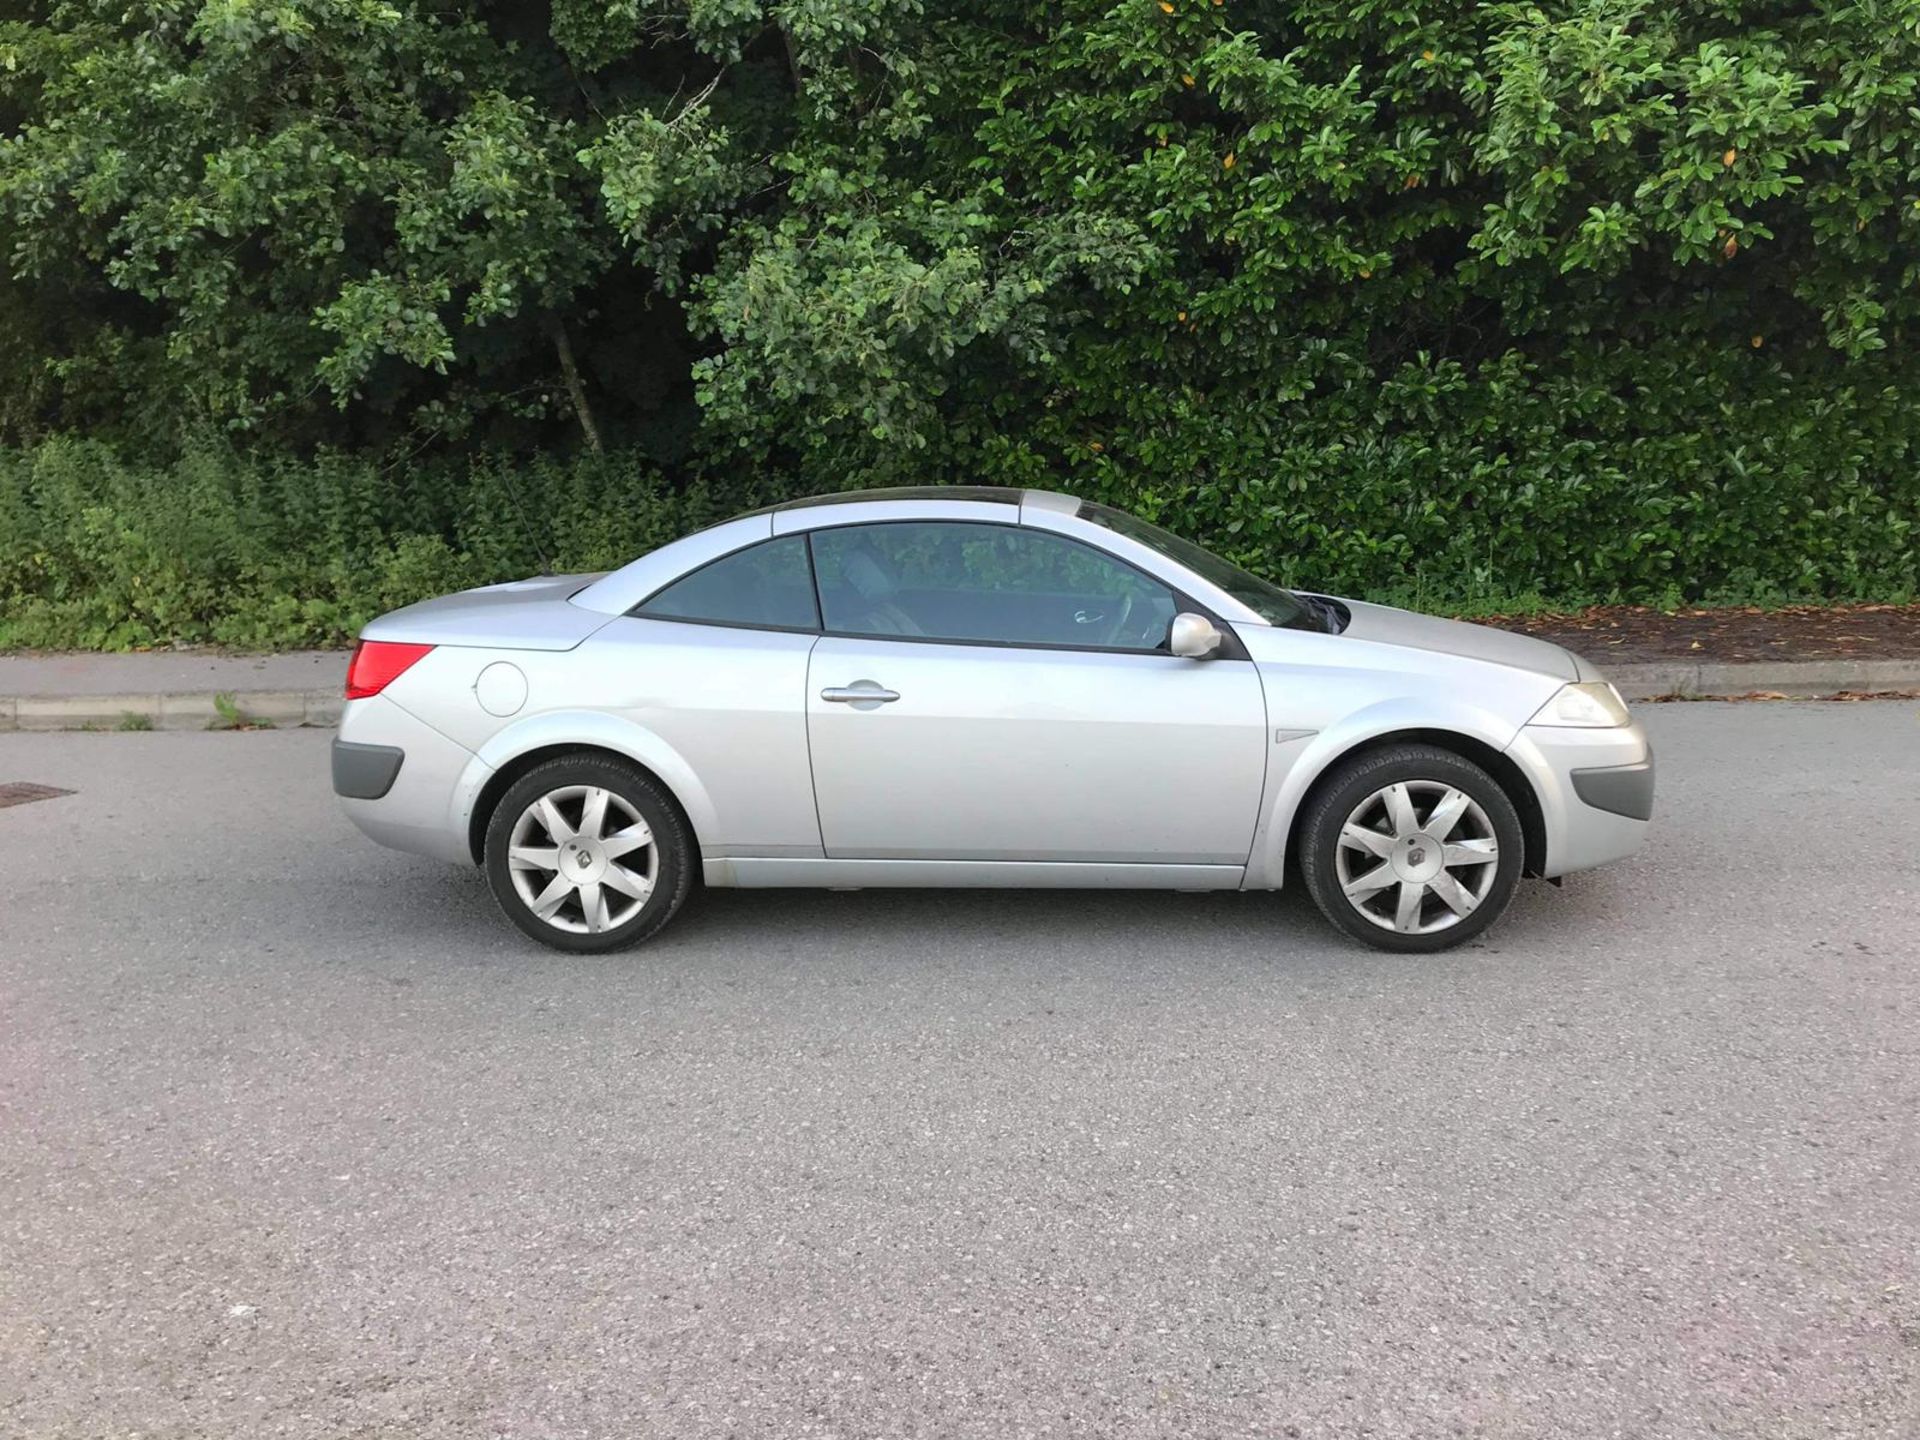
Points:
(766, 586)
(956, 580)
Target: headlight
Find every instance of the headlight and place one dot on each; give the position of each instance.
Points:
(1594, 705)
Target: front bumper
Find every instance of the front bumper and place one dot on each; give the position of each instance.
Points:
(1595, 789)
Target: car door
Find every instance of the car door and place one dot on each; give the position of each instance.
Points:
(992, 692)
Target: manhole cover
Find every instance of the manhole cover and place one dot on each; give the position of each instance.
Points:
(22, 792)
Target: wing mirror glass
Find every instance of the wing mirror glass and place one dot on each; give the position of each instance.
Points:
(1193, 636)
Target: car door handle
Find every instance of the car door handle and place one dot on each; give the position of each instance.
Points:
(861, 692)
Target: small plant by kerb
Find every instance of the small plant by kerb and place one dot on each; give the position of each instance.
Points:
(232, 717)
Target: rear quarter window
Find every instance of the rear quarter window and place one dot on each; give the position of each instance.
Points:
(768, 586)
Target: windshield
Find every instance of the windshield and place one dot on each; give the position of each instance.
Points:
(1266, 599)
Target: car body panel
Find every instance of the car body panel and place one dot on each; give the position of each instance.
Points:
(717, 713)
(731, 704)
(1456, 639)
(520, 615)
(1300, 761)
(557, 730)
(1330, 695)
(1035, 754)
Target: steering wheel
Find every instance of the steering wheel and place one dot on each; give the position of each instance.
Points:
(1112, 636)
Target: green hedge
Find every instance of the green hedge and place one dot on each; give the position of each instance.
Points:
(220, 547)
(1683, 475)
(1641, 478)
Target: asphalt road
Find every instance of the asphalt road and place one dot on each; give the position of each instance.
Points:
(299, 1138)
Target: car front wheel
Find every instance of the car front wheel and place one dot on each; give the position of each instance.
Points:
(585, 854)
(1411, 848)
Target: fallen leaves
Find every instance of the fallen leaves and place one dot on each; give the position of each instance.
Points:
(1838, 697)
(1632, 633)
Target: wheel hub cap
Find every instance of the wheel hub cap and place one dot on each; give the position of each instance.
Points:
(1417, 858)
(582, 861)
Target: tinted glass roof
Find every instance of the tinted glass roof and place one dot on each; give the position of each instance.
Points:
(995, 494)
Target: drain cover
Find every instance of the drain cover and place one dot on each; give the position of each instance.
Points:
(22, 792)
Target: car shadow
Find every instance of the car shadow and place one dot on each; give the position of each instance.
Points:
(452, 908)
(1030, 916)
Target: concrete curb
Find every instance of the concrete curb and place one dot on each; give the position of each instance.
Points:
(264, 709)
(1810, 678)
(283, 709)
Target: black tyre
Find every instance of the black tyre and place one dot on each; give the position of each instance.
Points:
(585, 854)
(1411, 848)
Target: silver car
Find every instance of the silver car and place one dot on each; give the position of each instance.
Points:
(976, 687)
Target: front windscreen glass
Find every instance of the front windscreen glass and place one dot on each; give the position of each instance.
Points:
(1266, 599)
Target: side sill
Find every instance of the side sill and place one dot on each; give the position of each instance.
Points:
(751, 873)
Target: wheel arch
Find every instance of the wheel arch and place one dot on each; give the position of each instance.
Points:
(1506, 774)
(503, 779)
(514, 751)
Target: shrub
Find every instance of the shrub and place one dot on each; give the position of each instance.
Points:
(1443, 488)
(261, 552)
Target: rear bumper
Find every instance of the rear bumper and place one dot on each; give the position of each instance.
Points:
(1595, 789)
(421, 770)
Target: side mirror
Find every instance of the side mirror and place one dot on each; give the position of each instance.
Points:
(1193, 636)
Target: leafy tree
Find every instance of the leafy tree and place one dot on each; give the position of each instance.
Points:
(313, 206)
(1590, 296)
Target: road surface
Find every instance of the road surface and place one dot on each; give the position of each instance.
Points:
(299, 1138)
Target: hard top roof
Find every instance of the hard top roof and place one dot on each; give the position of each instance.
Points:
(992, 494)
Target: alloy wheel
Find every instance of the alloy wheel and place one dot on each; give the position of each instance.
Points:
(1417, 856)
(582, 859)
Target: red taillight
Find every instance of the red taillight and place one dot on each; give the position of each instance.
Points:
(376, 664)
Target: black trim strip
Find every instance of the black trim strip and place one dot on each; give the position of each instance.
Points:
(1618, 789)
(365, 772)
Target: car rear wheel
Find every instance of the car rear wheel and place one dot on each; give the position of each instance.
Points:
(585, 854)
(1411, 848)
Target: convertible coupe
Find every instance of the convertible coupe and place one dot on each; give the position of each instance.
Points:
(976, 687)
